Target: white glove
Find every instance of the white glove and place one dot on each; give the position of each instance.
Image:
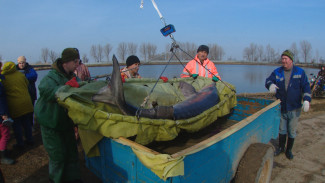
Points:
(273, 88)
(305, 106)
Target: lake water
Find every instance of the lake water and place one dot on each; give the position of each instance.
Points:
(246, 78)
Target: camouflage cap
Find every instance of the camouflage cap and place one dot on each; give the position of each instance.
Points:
(288, 53)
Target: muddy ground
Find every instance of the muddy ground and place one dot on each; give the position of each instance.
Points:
(308, 164)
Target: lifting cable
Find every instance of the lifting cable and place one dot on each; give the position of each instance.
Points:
(138, 112)
(167, 31)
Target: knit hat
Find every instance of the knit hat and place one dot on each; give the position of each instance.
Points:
(70, 54)
(288, 53)
(203, 48)
(21, 59)
(132, 60)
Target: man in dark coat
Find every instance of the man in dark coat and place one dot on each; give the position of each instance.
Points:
(56, 126)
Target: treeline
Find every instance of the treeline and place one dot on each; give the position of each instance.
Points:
(302, 54)
(146, 51)
(186, 51)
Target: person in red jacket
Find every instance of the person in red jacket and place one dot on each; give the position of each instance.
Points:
(82, 72)
(201, 65)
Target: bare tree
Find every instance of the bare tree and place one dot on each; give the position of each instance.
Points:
(0, 58)
(216, 52)
(189, 49)
(305, 50)
(295, 52)
(122, 50)
(53, 56)
(107, 50)
(45, 54)
(268, 53)
(143, 51)
(260, 53)
(99, 53)
(271, 55)
(93, 52)
(250, 53)
(168, 52)
(84, 58)
(151, 50)
(132, 48)
(247, 54)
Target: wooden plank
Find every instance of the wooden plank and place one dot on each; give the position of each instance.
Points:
(131, 143)
(224, 134)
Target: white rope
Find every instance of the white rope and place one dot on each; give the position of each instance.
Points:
(156, 7)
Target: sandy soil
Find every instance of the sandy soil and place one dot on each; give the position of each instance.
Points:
(308, 164)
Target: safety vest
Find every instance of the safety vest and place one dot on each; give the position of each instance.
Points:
(207, 69)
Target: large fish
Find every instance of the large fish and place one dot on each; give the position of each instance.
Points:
(195, 103)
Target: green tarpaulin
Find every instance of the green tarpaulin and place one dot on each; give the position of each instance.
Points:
(96, 119)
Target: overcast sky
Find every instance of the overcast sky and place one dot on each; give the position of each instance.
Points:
(28, 26)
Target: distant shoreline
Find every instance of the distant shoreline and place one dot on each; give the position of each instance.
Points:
(48, 66)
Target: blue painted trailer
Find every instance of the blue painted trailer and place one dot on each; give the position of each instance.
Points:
(214, 159)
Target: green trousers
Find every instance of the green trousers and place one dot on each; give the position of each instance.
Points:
(61, 147)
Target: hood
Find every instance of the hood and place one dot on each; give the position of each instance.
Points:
(8, 68)
(57, 65)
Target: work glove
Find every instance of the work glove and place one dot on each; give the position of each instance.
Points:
(273, 88)
(194, 76)
(215, 79)
(73, 82)
(165, 79)
(305, 106)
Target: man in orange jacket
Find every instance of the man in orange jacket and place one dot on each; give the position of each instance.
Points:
(201, 65)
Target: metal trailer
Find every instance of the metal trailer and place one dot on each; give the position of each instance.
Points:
(240, 152)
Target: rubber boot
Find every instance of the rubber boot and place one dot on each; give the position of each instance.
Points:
(289, 154)
(282, 142)
(5, 160)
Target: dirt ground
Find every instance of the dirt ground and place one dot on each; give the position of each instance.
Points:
(308, 164)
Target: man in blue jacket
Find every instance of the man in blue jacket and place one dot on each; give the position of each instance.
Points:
(290, 85)
(30, 74)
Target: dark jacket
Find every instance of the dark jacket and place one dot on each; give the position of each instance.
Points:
(31, 76)
(298, 88)
(47, 111)
(3, 100)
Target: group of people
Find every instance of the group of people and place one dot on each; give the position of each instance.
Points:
(288, 82)
(17, 98)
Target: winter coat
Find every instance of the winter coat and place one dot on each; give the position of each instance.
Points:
(82, 72)
(3, 100)
(47, 111)
(298, 88)
(195, 67)
(31, 76)
(125, 74)
(16, 86)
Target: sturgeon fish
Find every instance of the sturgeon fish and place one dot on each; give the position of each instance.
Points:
(195, 103)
